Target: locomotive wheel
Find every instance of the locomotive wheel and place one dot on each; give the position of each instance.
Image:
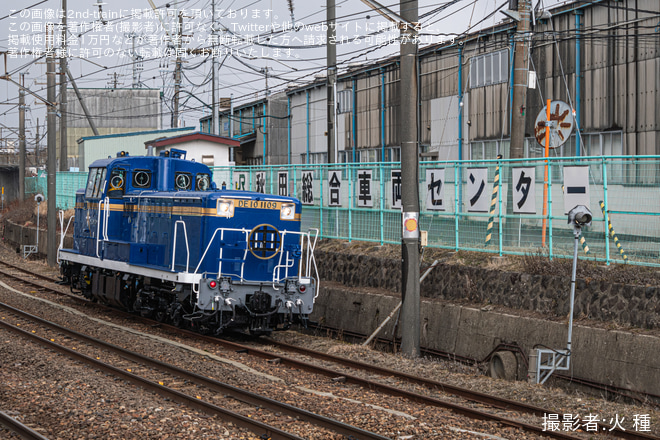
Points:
(160, 315)
(137, 305)
(176, 317)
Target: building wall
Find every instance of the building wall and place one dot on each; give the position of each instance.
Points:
(309, 123)
(277, 128)
(197, 149)
(114, 111)
(619, 88)
(99, 147)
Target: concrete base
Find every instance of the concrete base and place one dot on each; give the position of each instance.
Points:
(616, 358)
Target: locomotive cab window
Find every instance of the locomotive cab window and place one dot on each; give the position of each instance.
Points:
(183, 181)
(142, 178)
(95, 183)
(117, 183)
(202, 182)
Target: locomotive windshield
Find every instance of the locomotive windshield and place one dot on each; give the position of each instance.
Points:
(95, 183)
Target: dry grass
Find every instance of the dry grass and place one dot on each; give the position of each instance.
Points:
(25, 213)
(539, 263)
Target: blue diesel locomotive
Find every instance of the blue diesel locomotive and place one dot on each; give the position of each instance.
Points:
(154, 235)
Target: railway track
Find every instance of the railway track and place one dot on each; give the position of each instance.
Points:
(501, 405)
(190, 398)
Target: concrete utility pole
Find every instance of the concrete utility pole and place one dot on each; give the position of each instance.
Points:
(518, 110)
(332, 79)
(410, 311)
(21, 139)
(215, 129)
(64, 153)
(51, 241)
(408, 134)
(520, 80)
(177, 74)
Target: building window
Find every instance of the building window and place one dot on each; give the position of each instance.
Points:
(367, 155)
(345, 156)
(314, 158)
(486, 150)
(490, 68)
(392, 154)
(345, 101)
(208, 160)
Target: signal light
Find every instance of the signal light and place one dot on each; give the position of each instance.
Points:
(213, 284)
(302, 288)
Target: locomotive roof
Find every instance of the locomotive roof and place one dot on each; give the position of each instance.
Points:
(147, 162)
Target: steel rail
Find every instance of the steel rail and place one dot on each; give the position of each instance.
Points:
(20, 429)
(245, 422)
(203, 381)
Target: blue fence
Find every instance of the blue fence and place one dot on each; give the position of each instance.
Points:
(463, 203)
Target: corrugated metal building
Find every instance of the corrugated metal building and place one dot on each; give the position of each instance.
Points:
(601, 57)
(91, 148)
(114, 111)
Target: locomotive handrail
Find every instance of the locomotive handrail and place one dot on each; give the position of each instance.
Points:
(286, 265)
(98, 228)
(185, 233)
(106, 217)
(312, 259)
(201, 260)
(60, 214)
(106, 213)
(309, 258)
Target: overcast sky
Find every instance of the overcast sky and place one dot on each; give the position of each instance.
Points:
(253, 38)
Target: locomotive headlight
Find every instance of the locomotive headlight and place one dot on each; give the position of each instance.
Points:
(225, 208)
(288, 211)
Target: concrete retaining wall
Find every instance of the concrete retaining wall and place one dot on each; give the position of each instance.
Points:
(17, 236)
(617, 358)
(637, 306)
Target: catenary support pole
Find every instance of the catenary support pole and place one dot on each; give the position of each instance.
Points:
(396, 309)
(82, 103)
(215, 128)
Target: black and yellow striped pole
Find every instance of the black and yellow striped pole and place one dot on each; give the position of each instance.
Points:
(493, 202)
(585, 247)
(612, 233)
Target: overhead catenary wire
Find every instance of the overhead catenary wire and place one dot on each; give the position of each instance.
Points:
(358, 53)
